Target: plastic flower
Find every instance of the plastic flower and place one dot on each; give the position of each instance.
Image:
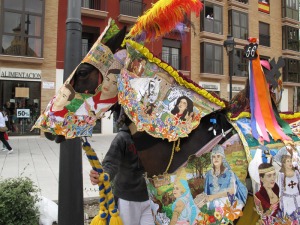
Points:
(231, 212)
(218, 215)
(211, 219)
(220, 210)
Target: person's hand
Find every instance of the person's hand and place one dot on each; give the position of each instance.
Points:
(94, 177)
(201, 200)
(274, 206)
(231, 191)
(189, 117)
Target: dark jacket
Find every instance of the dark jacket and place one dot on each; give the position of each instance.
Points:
(122, 164)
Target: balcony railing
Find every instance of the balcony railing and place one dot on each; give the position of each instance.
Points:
(131, 8)
(94, 4)
(242, 1)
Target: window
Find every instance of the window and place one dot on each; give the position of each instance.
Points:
(211, 58)
(297, 100)
(264, 34)
(171, 53)
(290, 38)
(131, 8)
(240, 63)
(264, 1)
(238, 24)
(93, 4)
(212, 18)
(290, 9)
(21, 31)
(291, 71)
(89, 37)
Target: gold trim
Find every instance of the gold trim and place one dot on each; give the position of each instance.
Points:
(266, 170)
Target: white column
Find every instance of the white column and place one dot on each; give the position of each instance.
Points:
(107, 124)
(283, 105)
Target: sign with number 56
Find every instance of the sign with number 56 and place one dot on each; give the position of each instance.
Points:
(23, 113)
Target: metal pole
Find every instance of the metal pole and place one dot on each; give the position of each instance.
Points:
(231, 72)
(70, 190)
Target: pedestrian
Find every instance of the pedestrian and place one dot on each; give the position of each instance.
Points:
(122, 164)
(3, 118)
(6, 138)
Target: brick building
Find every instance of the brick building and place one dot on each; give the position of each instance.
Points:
(33, 32)
(32, 37)
(28, 37)
(275, 23)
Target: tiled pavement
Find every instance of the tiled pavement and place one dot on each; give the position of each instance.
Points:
(38, 158)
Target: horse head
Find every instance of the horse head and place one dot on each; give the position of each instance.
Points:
(92, 81)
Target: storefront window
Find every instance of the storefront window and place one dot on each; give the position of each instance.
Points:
(21, 101)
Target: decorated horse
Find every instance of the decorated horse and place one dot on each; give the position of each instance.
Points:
(195, 147)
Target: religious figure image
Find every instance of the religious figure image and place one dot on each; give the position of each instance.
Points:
(184, 209)
(289, 186)
(220, 183)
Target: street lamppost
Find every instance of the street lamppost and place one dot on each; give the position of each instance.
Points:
(70, 186)
(229, 46)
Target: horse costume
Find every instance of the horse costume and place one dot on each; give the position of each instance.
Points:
(177, 124)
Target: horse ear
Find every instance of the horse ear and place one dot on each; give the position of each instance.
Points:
(114, 43)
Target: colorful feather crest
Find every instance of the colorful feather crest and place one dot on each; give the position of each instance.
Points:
(163, 18)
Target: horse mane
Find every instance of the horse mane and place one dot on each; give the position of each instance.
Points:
(115, 42)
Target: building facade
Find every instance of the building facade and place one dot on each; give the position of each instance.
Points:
(33, 33)
(28, 33)
(276, 24)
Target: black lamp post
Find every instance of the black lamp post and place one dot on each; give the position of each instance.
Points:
(229, 46)
(70, 187)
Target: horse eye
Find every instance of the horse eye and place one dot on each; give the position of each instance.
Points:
(81, 73)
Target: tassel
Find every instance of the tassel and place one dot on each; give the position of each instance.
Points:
(98, 221)
(115, 218)
(110, 216)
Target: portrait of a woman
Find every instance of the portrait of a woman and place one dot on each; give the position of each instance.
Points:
(221, 181)
(185, 212)
(183, 108)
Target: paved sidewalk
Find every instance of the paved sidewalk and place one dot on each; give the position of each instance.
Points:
(38, 159)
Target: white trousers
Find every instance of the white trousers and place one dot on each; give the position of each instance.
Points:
(135, 213)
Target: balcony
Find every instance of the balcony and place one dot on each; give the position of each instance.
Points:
(130, 11)
(94, 8)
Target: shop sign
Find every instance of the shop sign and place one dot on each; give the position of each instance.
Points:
(210, 86)
(236, 87)
(48, 85)
(14, 73)
(23, 113)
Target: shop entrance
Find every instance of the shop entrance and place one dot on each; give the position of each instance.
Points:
(21, 101)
